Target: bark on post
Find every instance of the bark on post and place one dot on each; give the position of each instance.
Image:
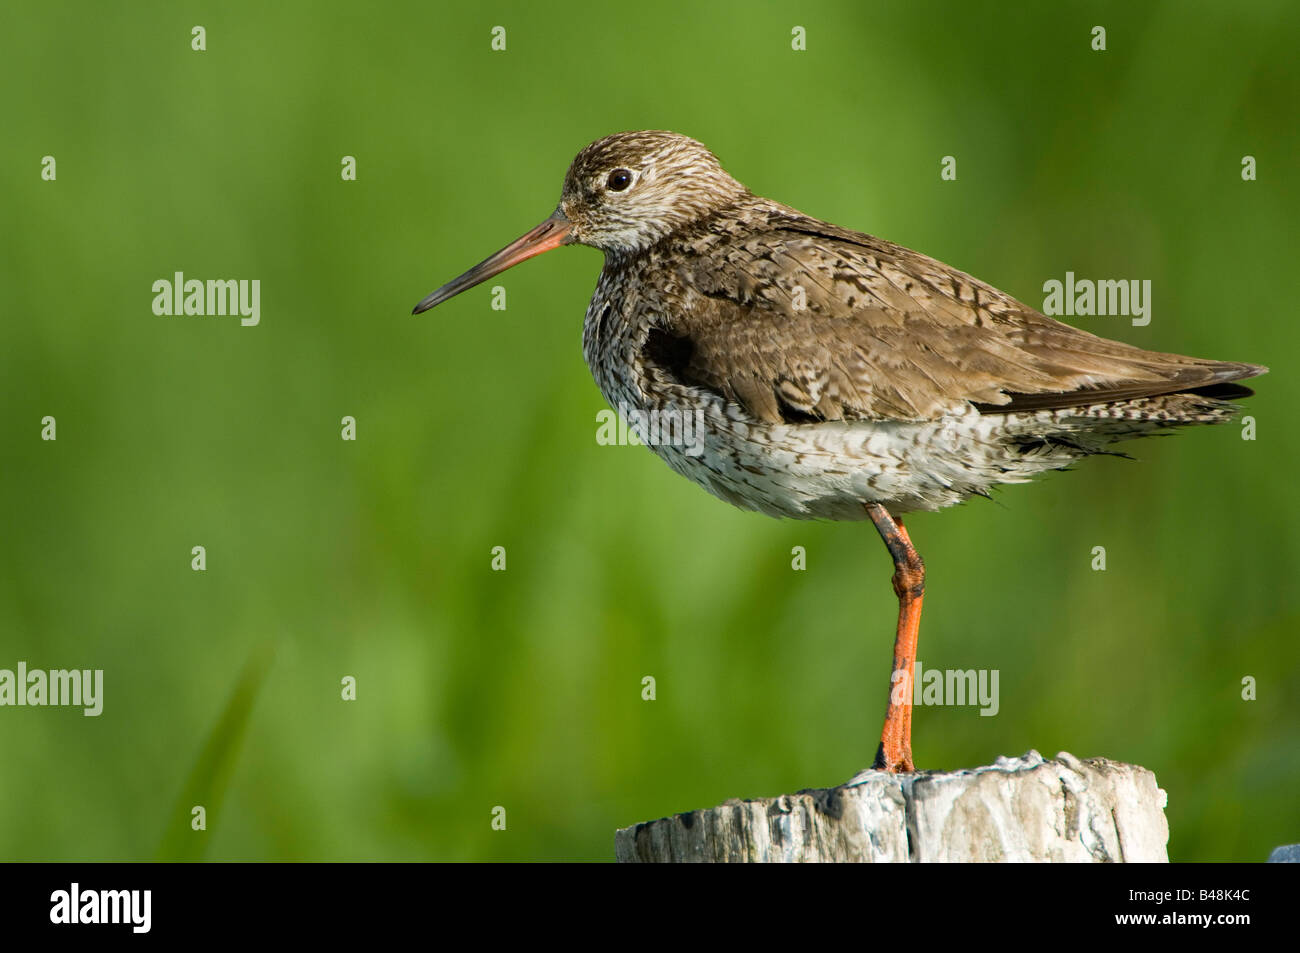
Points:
(1017, 809)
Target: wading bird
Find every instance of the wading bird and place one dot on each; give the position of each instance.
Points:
(839, 376)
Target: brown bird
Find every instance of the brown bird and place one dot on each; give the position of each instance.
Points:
(808, 371)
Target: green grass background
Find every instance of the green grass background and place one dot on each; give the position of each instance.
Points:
(477, 428)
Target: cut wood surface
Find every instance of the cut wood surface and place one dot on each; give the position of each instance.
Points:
(1063, 810)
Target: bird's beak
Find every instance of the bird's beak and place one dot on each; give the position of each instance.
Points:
(552, 233)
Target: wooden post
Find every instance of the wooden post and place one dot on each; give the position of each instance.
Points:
(1017, 809)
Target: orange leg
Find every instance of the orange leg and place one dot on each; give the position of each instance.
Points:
(895, 752)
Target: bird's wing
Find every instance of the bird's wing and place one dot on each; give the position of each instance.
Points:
(801, 321)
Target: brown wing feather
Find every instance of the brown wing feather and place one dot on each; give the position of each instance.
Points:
(796, 320)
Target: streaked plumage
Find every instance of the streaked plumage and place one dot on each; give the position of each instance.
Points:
(840, 376)
(836, 368)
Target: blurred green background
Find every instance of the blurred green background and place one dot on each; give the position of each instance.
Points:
(476, 428)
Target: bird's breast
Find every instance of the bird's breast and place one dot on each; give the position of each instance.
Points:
(613, 334)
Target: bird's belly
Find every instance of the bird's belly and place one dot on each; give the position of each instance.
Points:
(830, 470)
(819, 471)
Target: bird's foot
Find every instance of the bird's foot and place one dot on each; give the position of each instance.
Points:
(901, 761)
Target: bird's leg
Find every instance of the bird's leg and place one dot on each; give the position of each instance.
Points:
(895, 752)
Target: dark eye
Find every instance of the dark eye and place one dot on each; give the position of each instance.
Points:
(618, 180)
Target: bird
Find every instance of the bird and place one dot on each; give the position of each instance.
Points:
(828, 374)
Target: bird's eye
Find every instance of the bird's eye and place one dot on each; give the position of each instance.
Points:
(618, 180)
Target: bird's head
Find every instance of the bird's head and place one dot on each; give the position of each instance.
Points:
(625, 192)
(621, 194)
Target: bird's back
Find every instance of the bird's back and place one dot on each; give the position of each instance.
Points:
(849, 353)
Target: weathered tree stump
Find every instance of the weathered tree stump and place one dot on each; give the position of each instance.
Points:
(1286, 854)
(1016, 810)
